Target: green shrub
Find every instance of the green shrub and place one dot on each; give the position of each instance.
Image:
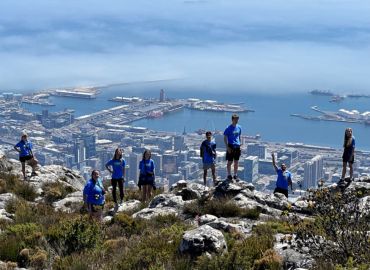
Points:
(25, 191)
(28, 233)
(10, 248)
(54, 191)
(220, 208)
(74, 235)
(340, 230)
(270, 260)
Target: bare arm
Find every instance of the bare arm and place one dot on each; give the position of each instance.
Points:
(16, 149)
(273, 162)
(226, 144)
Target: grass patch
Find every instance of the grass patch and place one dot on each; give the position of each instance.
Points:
(55, 191)
(220, 208)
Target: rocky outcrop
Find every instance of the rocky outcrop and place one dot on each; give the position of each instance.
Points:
(203, 239)
(149, 213)
(4, 198)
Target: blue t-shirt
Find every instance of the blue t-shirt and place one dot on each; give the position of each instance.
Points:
(233, 134)
(146, 166)
(283, 179)
(208, 151)
(94, 192)
(25, 147)
(118, 166)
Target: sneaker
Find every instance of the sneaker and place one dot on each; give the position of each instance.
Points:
(236, 178)
(229, 177)
(34, 174)
(121, 202)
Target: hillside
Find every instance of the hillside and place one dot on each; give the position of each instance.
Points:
(231, 226)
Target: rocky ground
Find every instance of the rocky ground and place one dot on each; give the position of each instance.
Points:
(207, 235)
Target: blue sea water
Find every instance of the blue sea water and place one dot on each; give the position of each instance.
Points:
(271, 118)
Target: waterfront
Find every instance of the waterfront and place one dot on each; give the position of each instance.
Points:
(271, 118)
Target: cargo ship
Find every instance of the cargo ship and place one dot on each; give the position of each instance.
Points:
(321, 92)
(74, 94)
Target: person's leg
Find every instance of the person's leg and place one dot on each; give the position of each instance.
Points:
(24, 170)
(228, 166)
(143, 197)
(120, 186)
(149, 192)
(205, 176)
(350, 170)
(344, 170)
(213, 168)
(34, 165)
(236, 165)
(114, 189)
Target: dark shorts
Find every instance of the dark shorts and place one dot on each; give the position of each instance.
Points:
(234, 155)
(207, 166)
(25, 158)
(281, 190)
(146, 180)
(348, 157)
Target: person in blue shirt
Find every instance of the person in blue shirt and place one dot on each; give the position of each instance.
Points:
(284, 178)
(146, 177)
(208, 154)
(116, 167)
(233, 142)
(348, 153)
(24, 148)
(94, 196)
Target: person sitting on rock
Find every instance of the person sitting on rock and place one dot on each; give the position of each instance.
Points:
(146, 177)
(232, 142)
(24, 148)
(348, 154)
(284, 178)
(94, 196)
(208, 154)
(116, 167)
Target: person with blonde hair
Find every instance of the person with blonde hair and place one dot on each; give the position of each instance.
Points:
(348, 153)
(116, 166)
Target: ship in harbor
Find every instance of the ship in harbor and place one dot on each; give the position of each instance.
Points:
(321, 92)
(85, 92)
(214, 106)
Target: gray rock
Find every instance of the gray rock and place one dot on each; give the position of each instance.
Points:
(107, 219)
(69, 203)
(228, 188)
(4, 198)
(277, 200)
(167, 200)
(149, 213)
(203, 239)
(130, 205)
(207, 219)
(193, 191)
(292, 257)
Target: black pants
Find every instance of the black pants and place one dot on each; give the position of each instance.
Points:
(281, 190)
(120, 186)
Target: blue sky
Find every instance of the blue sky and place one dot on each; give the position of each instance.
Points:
(277, 45)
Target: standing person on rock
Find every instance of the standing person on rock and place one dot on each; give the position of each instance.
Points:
(116, 167)
(146, 177)
(233, 142)
(24, 148)
(94, 196)
(208, 154)
(284, 178)
(348, 154)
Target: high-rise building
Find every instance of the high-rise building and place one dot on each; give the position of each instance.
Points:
(251, 169)
(79, 151)
(179, 142)
(161, 96)
(133, 163)
(157, 158)
(256, 149)
(90, 144)
(313, 172)
(265, 167)
(169, 163)
(292, 155)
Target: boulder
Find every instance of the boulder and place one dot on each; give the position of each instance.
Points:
(228, 188)
(69, 203)
(206, 219)
(149, 213)
(4, 198)
(193, 191)
(203, 239)
(167, 200)
(128, 206)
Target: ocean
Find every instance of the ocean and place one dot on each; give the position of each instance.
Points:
(271, 118)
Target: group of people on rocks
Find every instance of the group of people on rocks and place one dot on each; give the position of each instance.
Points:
(94, 191)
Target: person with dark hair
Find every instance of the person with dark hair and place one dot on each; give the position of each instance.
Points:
(94, 196)
(146, 177)
(208, 154)
(24, 148)
(284, 179)
(232, 142)
(348, 153)
(116, 167)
